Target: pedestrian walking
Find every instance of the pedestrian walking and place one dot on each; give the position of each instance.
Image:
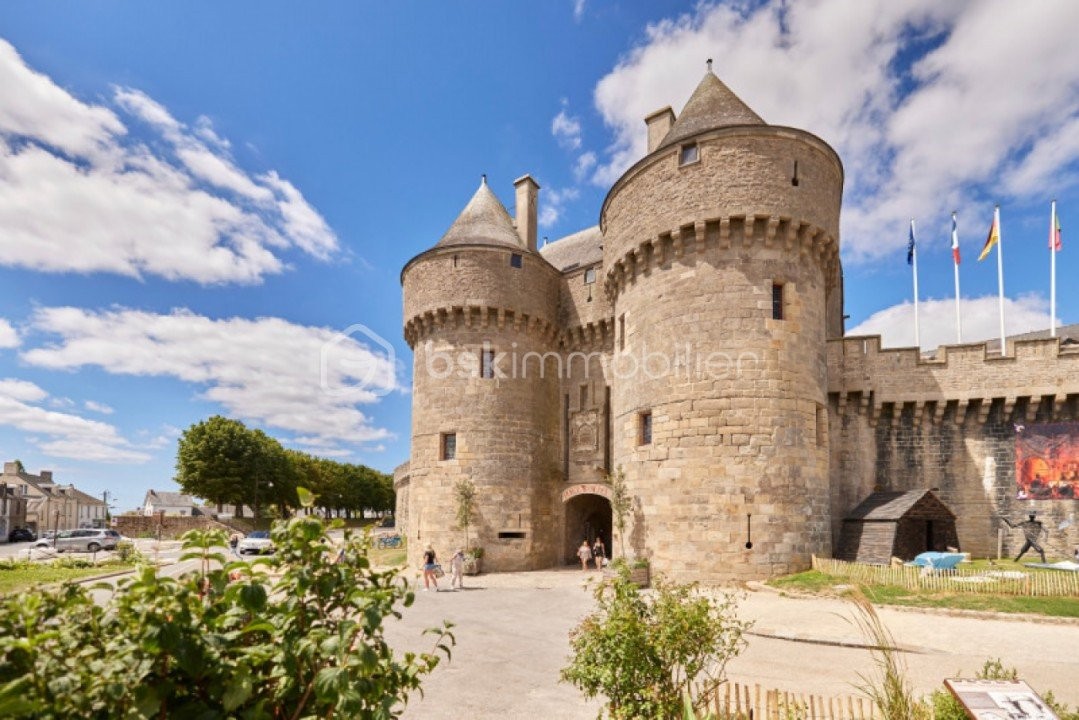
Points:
(599, 552)
(585, 553)
(430, 565)
(457, 569)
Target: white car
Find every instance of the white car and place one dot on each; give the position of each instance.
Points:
(256, 543)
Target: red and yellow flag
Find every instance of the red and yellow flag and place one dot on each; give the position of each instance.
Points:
(993, 239)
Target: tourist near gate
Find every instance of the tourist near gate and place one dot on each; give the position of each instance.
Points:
(588, 515)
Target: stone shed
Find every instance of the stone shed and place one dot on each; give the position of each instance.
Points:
(896, 524)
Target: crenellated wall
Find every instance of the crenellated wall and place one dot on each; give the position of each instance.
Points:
(901, 422)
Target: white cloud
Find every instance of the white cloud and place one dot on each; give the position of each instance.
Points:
(299, 379)
(991, 95)
(566, 129)
(585, 162)
(578, 10)
(80, 193)
(936, 320)
(64, 434)
(9, 337)
(98, 407)
(552, 202)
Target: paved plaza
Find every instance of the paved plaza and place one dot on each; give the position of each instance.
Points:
(512, 641)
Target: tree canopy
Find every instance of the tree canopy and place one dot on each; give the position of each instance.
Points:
(225, 462)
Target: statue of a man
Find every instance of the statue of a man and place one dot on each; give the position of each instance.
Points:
(1032, 533)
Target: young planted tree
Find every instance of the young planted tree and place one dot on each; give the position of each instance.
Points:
(464, 493)
(621, 504)
(647, 652)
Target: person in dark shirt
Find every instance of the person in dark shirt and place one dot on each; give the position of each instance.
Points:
(430, 562)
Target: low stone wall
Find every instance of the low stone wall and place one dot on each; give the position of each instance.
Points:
(164, 527)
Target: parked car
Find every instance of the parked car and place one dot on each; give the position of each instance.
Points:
(21, 534)
(85, 540)
(257, 542)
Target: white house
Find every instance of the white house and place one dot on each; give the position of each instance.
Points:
(169, 503)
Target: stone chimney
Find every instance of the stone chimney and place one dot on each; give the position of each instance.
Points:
(11, 468)
(659, 124)
(527, 201)
(46, 476)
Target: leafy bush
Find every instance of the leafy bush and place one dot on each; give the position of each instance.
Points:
(643, 652)
(126, 551)
(226, 641)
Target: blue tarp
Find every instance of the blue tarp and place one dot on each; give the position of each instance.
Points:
(937, 560)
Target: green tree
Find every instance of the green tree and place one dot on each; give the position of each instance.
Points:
(217, 459)
(464, 493)
(621, 503)
(645, 653)
(226, 641)
(224, 461)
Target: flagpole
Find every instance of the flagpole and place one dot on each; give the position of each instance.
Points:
(1000, 275)
(1053, 270)
(955, 262)
(914, 263)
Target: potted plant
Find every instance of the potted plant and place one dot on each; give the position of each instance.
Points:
(473, 561)
(640, 572)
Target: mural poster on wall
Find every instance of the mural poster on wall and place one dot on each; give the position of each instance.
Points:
(1047, 461)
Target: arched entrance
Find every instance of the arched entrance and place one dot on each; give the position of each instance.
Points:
(588, 515)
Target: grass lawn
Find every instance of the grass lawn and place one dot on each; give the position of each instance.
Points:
(25, 577)
(389, 557)
(815, 582)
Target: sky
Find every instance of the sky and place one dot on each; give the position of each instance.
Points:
(205, 207)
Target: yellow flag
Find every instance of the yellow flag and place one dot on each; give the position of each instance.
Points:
(993, 239)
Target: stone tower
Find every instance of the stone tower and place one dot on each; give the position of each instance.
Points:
(480, 309)
(721, 262)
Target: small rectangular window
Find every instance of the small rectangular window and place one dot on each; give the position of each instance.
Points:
(515, 260)
(689, 154)
(645, 434)
(511, 534)
(487, 364)
(777, 301)
(622, 331)
(584, 396)
(449, 446)
(589, 276)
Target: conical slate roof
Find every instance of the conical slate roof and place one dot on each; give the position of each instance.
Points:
(712, 105)
(483, 221)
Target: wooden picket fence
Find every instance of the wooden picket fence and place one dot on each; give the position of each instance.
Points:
(1040, 583)
(733, 701)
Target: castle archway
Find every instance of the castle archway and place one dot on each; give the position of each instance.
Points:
(588, 516)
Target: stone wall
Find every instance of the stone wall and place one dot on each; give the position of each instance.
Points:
(166, 527)
(739, 450)
(900, 422)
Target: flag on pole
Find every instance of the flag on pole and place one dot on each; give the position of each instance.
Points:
(993, 239)
(1054, 234)
(910, 245)
(955, 240)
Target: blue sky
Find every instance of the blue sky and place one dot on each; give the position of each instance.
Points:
(195, 198)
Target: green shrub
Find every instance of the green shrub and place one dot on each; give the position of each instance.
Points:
(126, 552)
(643, 652)
(225, 641)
